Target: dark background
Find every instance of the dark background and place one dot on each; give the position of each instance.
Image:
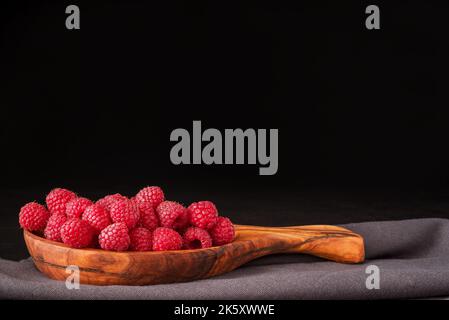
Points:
(362, 114)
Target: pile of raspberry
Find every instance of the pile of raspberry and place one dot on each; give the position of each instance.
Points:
(144, 222)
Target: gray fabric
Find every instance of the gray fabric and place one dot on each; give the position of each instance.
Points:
(412, 255)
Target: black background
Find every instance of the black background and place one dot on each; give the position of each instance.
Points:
(362, 114)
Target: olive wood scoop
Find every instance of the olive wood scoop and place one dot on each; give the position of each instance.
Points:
(100, 267)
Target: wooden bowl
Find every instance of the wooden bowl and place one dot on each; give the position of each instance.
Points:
(100, 267)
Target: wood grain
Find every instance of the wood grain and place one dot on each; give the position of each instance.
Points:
(101, 267)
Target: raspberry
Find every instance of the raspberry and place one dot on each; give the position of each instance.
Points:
(203, 214)
(114, 237)
(76, 207)
(152, 195)
(57, 199)
(223, 232)
(53, 229)
(107, 201)
(141, 239)
(172, 215)
(166, 239)
(97, 216)
(77, 233)
(33, 216)
(148, 218)
(125, 211)
(196, 238)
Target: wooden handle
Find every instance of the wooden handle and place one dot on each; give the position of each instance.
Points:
(329, 242)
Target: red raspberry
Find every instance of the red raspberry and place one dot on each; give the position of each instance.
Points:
(125, 211)
(166, 239)
(148, 218)
(114, 237)
(172, 215)
(223, 232)
(203, 214)
(152, 195)
(57, 200)
(97, 216)
(141, 239)
(77, 233)
(76, 207)
(196, 238)
(53, 229)
(33, 216)
(107, 201)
